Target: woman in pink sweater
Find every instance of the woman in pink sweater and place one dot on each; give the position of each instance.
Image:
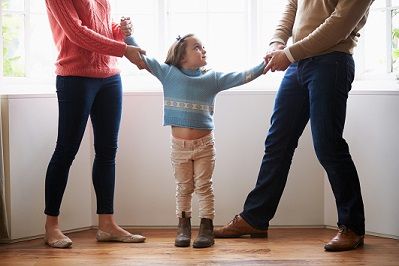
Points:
(88, 84)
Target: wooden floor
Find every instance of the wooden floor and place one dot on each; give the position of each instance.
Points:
(283, 247)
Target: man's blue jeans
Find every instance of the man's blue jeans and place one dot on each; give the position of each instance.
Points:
(317, 89)
(79, 98)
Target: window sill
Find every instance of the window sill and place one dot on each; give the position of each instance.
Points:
(385, 84)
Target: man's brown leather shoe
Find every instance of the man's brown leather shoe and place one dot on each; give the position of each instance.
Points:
(346, 239)
(239, 227)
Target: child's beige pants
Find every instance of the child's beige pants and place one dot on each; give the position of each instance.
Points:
(193, 162)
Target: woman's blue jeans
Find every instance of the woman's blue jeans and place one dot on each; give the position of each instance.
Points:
(317, 89)
(79, 98)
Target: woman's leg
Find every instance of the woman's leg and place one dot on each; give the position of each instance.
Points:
(75, 97)
(105, 116)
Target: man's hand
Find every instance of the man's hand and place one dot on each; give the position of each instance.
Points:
(126, 26)
(134, 53)
(273, 47)
(276, 61)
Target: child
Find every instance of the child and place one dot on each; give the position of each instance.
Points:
(189, 95)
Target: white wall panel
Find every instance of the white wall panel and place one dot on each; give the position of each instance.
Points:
(32, 137)
(145, 188)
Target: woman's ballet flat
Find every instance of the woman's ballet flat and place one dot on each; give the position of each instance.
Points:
(102, 236)
(65, 242)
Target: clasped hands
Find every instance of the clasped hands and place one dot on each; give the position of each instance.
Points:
(132, 53)
(276, 59)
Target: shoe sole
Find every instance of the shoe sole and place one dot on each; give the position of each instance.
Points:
(55, 245)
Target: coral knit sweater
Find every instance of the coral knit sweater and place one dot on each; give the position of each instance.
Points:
(86, 38)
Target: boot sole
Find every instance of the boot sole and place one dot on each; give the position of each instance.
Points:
(182, 245)
(203, 246)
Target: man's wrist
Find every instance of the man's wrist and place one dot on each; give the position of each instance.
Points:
(288, 54)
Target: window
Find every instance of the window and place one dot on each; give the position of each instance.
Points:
(12, 21)
(221, 25)
(26, 40)
(144, 16)
(377, 52)
(235, 34)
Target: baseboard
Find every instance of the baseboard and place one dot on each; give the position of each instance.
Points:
(370, 233)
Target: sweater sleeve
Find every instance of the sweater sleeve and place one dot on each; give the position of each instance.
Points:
(116, 32)
(334, 29)
(157, 69)
(131, 41)
(284, 27)
(229, 80)
(65, 14)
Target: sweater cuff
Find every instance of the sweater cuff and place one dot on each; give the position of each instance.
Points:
(289, 55)
(279, 40)
(123, 49)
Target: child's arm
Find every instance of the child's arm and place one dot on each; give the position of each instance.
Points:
(153, 66)
(129, 40)
(159, 70)
(229, 80)
(133, 52)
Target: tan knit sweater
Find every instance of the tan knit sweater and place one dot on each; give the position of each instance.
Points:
(321, 26)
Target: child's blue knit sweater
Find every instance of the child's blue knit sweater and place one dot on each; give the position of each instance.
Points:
(189, 95)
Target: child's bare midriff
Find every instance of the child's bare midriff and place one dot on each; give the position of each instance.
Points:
(189, 133)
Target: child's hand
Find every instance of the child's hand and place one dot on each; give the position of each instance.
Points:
(134, 53)
(126, 26)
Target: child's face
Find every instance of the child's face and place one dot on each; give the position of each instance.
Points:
(194, 56)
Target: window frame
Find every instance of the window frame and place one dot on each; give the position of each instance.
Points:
(253, 16)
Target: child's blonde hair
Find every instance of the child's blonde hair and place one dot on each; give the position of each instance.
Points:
(177, 51)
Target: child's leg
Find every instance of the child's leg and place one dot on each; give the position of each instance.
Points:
(204, 163)
(183, 170)
(182, 163)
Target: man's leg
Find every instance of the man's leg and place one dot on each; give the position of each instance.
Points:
(290, 116)
(330, 77)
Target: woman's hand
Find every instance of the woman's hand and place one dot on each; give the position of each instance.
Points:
(134, 53)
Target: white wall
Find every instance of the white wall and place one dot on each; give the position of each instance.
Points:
(145, 188)
(32, 132)
(145, 185)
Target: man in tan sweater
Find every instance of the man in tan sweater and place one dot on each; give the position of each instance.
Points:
(319, 73)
